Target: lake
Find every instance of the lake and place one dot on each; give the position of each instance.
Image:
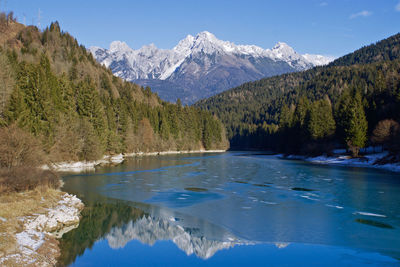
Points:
(235, 209)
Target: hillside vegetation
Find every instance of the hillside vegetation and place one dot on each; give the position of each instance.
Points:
(319, 109)
(54, 91)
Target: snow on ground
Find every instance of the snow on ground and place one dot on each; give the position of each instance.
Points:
(79, 166)
(65, 214)
(342, 160)
(36, 229)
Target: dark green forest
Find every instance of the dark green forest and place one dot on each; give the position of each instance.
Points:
(53, 89)
(352, 102)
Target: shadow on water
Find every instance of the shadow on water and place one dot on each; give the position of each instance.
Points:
(302, 189)
(374, 223)
(196, 189)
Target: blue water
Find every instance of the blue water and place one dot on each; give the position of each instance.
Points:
(234, 209)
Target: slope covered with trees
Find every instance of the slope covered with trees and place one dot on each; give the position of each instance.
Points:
(54, 90)
(316, 110)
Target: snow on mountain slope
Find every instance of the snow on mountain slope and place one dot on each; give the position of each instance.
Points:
(318, 60)
(202, 65)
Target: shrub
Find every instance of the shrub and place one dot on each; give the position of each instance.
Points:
(20, 179)
(386, 133)
(20, 158)
(19, 148)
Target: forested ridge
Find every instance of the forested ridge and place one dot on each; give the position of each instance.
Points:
(54, 91)
(354, 101)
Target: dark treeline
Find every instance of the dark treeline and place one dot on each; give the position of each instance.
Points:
(55, 90)
(354, 101)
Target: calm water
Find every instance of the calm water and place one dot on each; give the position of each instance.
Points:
(234, 209)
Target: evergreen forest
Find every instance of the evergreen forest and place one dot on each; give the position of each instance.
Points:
(353, 102)
(75, 109)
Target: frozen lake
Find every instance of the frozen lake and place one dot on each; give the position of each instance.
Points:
(235, 208)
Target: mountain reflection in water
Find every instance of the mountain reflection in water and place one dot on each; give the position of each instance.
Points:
(225, 209)
(149, 230)
(119, 223)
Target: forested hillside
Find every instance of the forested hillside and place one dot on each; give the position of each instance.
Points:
(354, 101)
(52, 88)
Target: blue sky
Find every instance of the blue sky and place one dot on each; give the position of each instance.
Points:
(330, 27)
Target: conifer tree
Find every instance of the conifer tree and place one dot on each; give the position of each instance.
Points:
(321, 123)
(356, 131)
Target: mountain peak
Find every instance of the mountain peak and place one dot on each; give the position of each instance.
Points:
(204, 60)
(118, 46)
(206, 35)
(281, 45)
(283, 48)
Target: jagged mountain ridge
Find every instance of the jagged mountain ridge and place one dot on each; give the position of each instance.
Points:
(149, 230)
(201, 66)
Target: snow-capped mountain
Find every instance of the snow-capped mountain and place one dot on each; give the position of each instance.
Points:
(149, 230)
(201, 66)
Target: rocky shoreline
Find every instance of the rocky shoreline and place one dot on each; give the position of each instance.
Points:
(35, 243)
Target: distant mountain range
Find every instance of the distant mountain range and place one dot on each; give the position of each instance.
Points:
(201, 66)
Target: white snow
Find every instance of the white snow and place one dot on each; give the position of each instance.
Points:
(118, 46)
(65, 213)
(343, 160)
(334, 206)
(79, 166)
(36, 227)
(319, 60)
(149, 62)
(369, 214)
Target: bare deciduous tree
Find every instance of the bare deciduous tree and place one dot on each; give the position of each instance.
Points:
(19, 148)
(385, 132)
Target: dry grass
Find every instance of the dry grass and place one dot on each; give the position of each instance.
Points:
(14, 206)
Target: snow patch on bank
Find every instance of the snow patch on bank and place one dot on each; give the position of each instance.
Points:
(39, 227)
(369, 160)
(66, 213)
(80, 166)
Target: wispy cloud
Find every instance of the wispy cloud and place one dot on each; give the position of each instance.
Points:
(397, 7)
(323, 4)
(364, 13)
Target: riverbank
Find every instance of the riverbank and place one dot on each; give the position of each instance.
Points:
(367, 161)
(79, 166)
(31, 222)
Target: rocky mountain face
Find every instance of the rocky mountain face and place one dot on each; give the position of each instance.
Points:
(201, 66)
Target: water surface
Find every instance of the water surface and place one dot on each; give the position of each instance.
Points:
(234, 209)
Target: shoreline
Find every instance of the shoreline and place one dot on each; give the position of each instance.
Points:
(35, 223)
(367, 161)
(79, 166)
